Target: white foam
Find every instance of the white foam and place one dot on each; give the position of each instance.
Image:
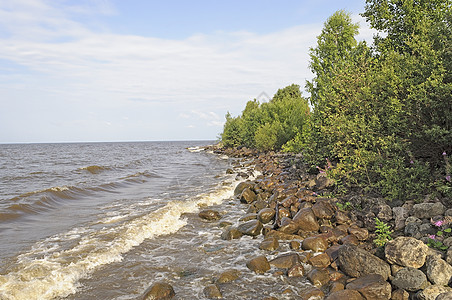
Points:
(49, 272)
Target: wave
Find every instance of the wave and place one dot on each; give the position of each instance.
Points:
(47, 273)
(94, 169)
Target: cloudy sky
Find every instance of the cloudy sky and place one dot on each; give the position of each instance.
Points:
(117, 70)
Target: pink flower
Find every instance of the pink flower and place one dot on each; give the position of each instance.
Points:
(432, 236)
(444, 153)
(448, 178)
(439, 223)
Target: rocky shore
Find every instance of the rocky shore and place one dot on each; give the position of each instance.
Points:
(332, 240)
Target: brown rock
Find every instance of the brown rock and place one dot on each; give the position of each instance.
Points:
(247, 196)
(349, 239)
(269, 244)
(306, 220)
(336, 286)
(371, 286)
(231, 233)
(341, 217)
(248, 217)
(228, 276)
(294, 245)
(282, 236)
(266, 215)
(284, 212)
(212, 292)
(241, 186)
(443, 296)
(258, 264)
(320, 261)
(400, 295)
(252, 227)
(361, 233)
(333, 252)
(311, 293)
(406, 251)
(288, 226)
(209, 215)
(159, 291)
(285, 261)
(345, 295)
(356, 262)
(318, 277)
(296, 271)
(315, 243)
(323, 209)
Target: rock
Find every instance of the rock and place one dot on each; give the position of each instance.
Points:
(345, 295)
(444, 296)
(269, 244)
(428, 210)
(247, 196)
(311, 293)
(371, 286)
(159, 291)
(294, 245)
(438, 270)
(296, 271)
(231, 233)
(341, 217)
(356, 262)
(285, 261)
(288, 226)
(306, 220)
(209, 214)
(315, 243)
(228, 276)
(241, 186)
(431, 292)
(258, 264)
(318, 277)
(410, 279)
(400, 215)
(412, 230)
(229, 171)
(248, 217)
(323, 182)
(266, 215)
(361, 233)
(320, 261)
(400, 295)
(336, 286)
(349, 239)
(252, 227)
(323, 209)
(406, 251)
(212, 292)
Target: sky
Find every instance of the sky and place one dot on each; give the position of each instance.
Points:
(145, 70)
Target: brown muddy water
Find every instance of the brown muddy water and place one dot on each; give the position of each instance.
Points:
(106, 220)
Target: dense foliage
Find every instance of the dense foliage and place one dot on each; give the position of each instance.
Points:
(381, 113)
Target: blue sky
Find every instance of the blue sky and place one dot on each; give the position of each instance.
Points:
(115, 70)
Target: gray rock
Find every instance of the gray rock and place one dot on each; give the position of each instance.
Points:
(449, 256)
(406, 251)
(444, 296)
(400, 215)
(431, 292)
(412, 219)
(438, 270)
(384, 212)
(410, 279)
(426, 229)
(356, 262)
(412, 230)
(428, 210)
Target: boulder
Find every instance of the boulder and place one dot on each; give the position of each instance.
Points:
(259, 264)
(315, 243)
(296, 271)
(400, 295)
(431, 292)
(252, 227)
(323, 209)
(241, 186)
(247, 196)
(438, 270)
(400, 214)
(209, 215)
(231, 233)
(336, 286)
(311, 293)
(159, 291)
(360, 233)
(356, 262)
(410, 279)
(269, 244)
(406, 251)
(320, 261)
(266, 215)
(306, 220)
(428, 210)
(318, 277)
(345, 295)
(285, 261)
(371, 286)
(212, 291)
(228, 276)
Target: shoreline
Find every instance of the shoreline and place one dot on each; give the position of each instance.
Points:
(332, 244)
